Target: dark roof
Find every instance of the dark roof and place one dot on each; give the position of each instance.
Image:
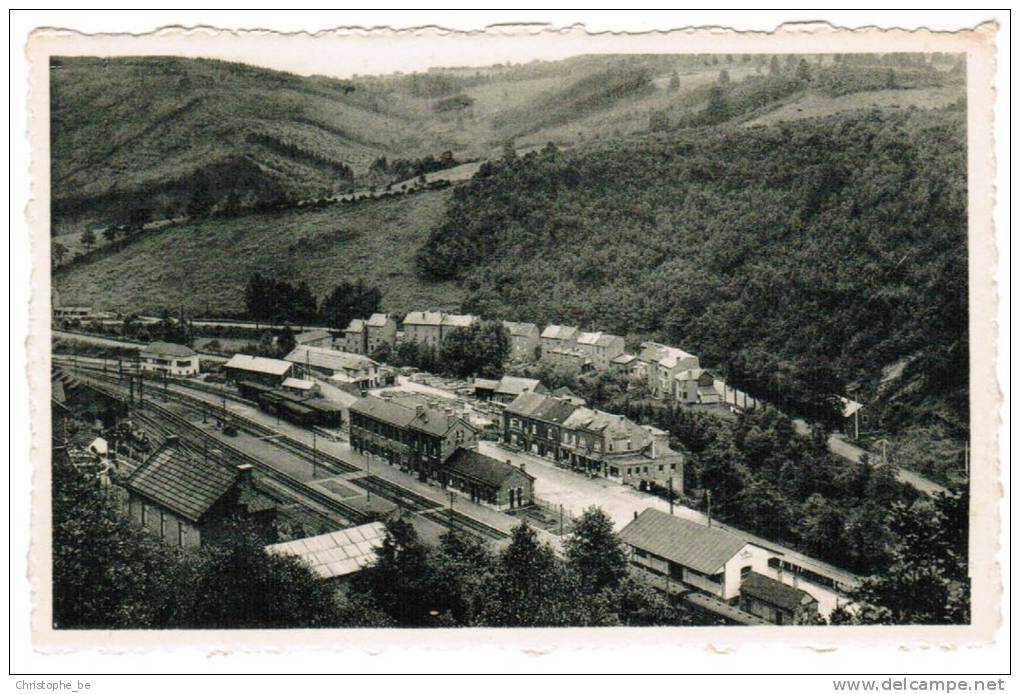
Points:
(554, 410)
(515, 385)
(384, 411)
(486, 384)
(526, 403)
(168, 349)
(774, 593)
(185, 484)
(468, 462)
(681, 541)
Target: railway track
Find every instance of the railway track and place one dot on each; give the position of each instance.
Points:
(194, 435)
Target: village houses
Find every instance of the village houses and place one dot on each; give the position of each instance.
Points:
(430, 327)
(523, 340)
(365, 336)
(593, 442)
(659, 364)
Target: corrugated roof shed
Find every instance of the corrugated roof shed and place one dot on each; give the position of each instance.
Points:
(247, 362)
(330, 359)
(681, 541)
(338, 553)
(773, 592)
(185, 484)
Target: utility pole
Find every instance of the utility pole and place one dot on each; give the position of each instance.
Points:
(708, 494)
(315, 452)
(561, 519)
(671, 495)
(451, 510)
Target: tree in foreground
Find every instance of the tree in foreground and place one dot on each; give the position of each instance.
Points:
(594, 553)
(529, 585)
(927, 581)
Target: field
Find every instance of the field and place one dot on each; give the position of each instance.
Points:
(815, 105)
(205, 266)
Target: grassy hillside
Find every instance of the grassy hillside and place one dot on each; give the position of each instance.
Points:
(205, 266)
(129, 126)
(800, 258)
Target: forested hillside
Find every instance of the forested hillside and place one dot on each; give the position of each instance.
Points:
(795, 257)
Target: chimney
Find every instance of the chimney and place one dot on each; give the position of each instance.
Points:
(524, 468)
(419, 409)
(635, 515)
(244, 472)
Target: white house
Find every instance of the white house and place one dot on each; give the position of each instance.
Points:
(167, 358)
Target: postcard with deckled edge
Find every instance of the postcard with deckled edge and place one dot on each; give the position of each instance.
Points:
(683, 336)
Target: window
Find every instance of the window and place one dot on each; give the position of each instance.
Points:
(162, 524)
(182, 533)
(672, 466)
(661, 468)
(646, 469)
(145, 514)
(744, 571)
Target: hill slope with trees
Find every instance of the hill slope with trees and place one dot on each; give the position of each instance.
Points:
(797, 257)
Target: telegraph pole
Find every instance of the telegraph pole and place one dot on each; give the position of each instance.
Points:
(671, 495)
(451, 510)
(708, 494)
(561, 519)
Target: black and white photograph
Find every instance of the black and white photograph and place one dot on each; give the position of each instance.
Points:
(679, 337)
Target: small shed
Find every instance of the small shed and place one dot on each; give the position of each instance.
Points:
(775, 601)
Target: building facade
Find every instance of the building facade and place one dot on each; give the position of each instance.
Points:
(414, 436)
(695, 387)
(776, 602)
(487, 480)
(245, 367)
(533, 422)
(660, 363)
(699, 557)
(168, 359)
(190, 501)
(365, 336)
(557, 337)
(341, 368)
(600, 348)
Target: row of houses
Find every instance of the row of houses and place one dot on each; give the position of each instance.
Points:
(438, 446)
(593, 442)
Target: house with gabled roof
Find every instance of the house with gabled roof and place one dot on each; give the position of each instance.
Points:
(365, 336)
(534, 421)
(600, 348)
(660, 363)
(190, 500)
(487, 480)
(523, 340)
(775, 601)
(423, 327)
(557, 337)
(695, 386)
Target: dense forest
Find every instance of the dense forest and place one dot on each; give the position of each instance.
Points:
(817, 253)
